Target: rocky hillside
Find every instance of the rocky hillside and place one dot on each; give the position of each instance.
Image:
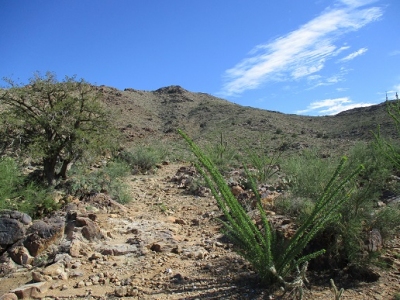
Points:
(150, 114)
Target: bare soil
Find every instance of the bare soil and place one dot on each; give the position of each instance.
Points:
(184, 255)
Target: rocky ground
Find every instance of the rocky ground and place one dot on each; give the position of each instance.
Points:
(165, 244)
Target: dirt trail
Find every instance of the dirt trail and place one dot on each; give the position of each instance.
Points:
(180, 254)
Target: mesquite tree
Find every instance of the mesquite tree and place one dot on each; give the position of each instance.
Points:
(56, 121)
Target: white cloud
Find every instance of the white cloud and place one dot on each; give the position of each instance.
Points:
(331, 106)
(342, 89)
(354, 55)
(395, 52)
(357, 3)
(324, 81)
(299, 53)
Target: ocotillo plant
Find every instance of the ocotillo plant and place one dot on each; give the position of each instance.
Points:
(274, 258)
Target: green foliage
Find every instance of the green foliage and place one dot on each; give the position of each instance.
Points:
(308, 173)
(143, 159)
(54, 121)
(35, 200)
(9, 179)
(109, 178)
(221, 154)
(265, 165)
(390, 148)
(15, 194)
(387, 221)
(272, 257)
(358, 215)
(298, 207)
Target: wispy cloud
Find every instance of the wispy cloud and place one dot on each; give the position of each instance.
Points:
(357, 3)
(331, 106)
(353, 55)
(395, 52)
(341, 89)
(302, 52)
(317, 80)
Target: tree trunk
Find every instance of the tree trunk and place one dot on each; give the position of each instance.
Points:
(64, 168)
(49, 169)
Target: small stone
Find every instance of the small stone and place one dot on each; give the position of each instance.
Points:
(33, 290)
(156, 248)
(177, 250)
(38, 277)
(121, 291)
(180, 222)
(80, 284)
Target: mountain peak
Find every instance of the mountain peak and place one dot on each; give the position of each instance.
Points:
(172, 89)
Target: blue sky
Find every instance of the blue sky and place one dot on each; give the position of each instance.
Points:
(312, 57)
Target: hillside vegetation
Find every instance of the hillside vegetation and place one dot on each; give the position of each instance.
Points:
(155, 114)
(333, 202)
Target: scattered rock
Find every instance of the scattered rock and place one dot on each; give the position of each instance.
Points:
(31, 291)
(20, 255)
(156, 248)
(116, 250)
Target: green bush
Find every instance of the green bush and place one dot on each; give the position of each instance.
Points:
(221, 154)
(109, 178)
(265, 165)
(9, 179)
(299, 208)
(274, 258)
(358, 215)
(308, 173)
(15, 194)
(143, 159)
(35, 200)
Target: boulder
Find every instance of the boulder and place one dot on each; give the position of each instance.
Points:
(11, 230)
(78, 249)
(20, 255)
(90, 231)
(41, 235)
(16, 215)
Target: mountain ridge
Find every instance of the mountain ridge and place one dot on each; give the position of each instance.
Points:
(159, 113)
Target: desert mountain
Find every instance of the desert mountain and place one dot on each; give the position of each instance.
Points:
(158, 113)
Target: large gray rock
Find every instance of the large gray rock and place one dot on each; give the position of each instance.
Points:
(11, 230)
(16, 215)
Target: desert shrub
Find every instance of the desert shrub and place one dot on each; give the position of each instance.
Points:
(294, 207)
(9, 179)
(222, 154)
(274, 258)
(308, 173)
(109, 178)
(266, 165)
(17, 194)
(390, 148)
(387, 221)
(35, 200)
(347, 234)
(143, 159)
